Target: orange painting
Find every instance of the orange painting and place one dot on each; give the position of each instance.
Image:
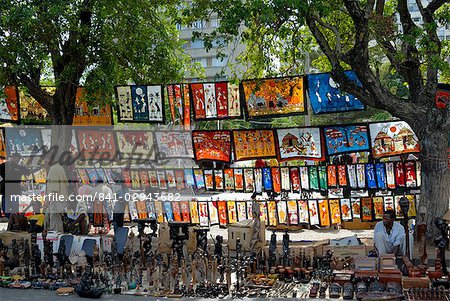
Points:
(335, 211)
(212, 145)
(91, 114)
(324, 213)
(274, 97)
(251, 144)
(2, 144)
(193, 208)
(9, 104)
(378, 207)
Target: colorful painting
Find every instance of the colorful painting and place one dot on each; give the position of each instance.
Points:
(390, 175)
(232, 212)
(313, 213)
(23, 141)
(135, 144)
(295, 179)
(9, 104)
(419, 169)
(2, 143)
(241, 211)
(212, 145)
(282, 212)
(263, 215)
(174, 144)
(31, 111)
(135, 181)
(249, 179)
(346, 210)
(285, 179)
(159, 212)
(361, 175)
(332, 176)
(199, 179)
(258, 180)
(389, 203)
(442, 98)
(352, 179)
(303, 212)
(274, 97)
(400, 174)
(335, 211)
(140, 103)
(323, 178)
(381, 175)
(324, 213)
(295, 143)
(96, 144)
(304, 178)
(276, 179)
(203, 213)
(189, 177)
(218, 179)
(253, 144)
(292, 212)
(412, 205)
(223, 216)
(176, 96)
(218, 100)
(313, 178)
(193, 209)
(228, 174)
(267, 179)
(209, 179)
(366, 209)
(83, 176)
(272, 213)
(371, 176)
(179, 178)
(123, 95)
(392, 139)
(184, 209)
(356, 207)
(91, 111)
(378, 207)
(239, 179)
(410, 174)
(162, 182)
(346, 139)
(213, 213)
(327, 97)
(342, 175)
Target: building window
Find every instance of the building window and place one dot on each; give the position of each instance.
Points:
(202, 61)
(199, 24)
(219, 62)
(215, 23)
(196, 44)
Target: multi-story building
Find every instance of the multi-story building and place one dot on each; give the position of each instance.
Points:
(443, 30)
(216, 68)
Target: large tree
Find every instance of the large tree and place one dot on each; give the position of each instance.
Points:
(96, 42)
(362, 35)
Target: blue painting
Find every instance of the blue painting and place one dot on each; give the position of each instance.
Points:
(326, 96)
(381, 175)
(370, 176)
(24, 141)
(140, 103)
(346, 139)
(267, 179)
(168, 210)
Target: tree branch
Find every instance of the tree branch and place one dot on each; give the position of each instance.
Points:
(435, 5)
(44, 98)
(338, 47)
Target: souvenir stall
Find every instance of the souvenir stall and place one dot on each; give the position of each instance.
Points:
(311, 177)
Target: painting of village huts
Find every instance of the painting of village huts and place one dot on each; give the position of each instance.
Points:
(393, 138)
(345, 139)
(274, 97)
(295, 143)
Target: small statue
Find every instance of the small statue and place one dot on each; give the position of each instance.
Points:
(218, 249)
(14, 261)
(37, 260)
(286, 250)
(442, 241)
(202, 241)
(177, 246)
(48, 251)
(26, 256)
(62, 253)
(272, 249)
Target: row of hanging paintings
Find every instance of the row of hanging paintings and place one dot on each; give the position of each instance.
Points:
(378, 176)
(323, 212)
(383, 139)
(29, 110)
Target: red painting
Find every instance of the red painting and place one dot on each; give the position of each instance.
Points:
(186, 108)
(176, 211)
(400, 174)
(222, 99)
(276, 179)
(223, 220)
(9, 104)
(295, 179)
(212, 145)
(143, 175)
(96, 144)
(342, 175)
(331, 176)
(442, 98)
(198, 100)
(184, 206)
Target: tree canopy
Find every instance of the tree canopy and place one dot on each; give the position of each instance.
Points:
(98, 43)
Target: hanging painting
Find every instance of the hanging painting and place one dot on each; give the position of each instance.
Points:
(92, 112)
(410, 174)
(390, 175)
(370, 176)
(274, 97)
(223, 217)
(162, 182)
(300, 143)
(378, 208)
(175, 95)
(366, 208)
(209, 179)
(304, 178)
(295, 179)
(168, 211)
(2, 143)
(356, 207)
(346, 139)
(327, 97)
(381, 175)
(241, 211)
(83, 176)
(292, 213)
(193, 209)
(218, 180)
(352, 179)
(272, 213)
(213, 213)
(313, 178)
(419, 167)
(313, 213)
(250, 209)
(331, 176)
(442, 98)
(9, 104)
(189, 177)
(232, 214)
(253, 144)
(24, 141)
(135, 181)
(400, 174)
(140, 103)
(285, 179)
(263, 213)
(170, 177)
(179, 178)
(412, 205)
(276, 179)
(203, 213)
(212, 145)
(303, 212)
(199, 179)
(143, 175)
(267, 179)
(361, 175)
(342, 175)
(159, 212)
(239, 179)
(398, 210)
(31, 112)
(176, 209)
(324, 213)
(184, 208)
(249, 180)
(346, 210)
(153, 178)
(389, 203)
(258, 180)
(136, 144)
(174, 144)
(323, 181)
(393, 138)
(335, 211)
(282, 212)
(229, 178)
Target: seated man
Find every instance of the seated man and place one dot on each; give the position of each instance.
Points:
(37, 216)
(389, 236)
(76, 222)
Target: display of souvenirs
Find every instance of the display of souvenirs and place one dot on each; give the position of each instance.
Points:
(292, 212)
(392, 138)
(282, 212)
(223, 216)
(176, 95)
(346, 210)
(174, 144)
(378, 207)
(23, 141)
(381, 175)
(239, 179)
(96, 144)
(273, 97)
(203, 213)
(267, 179)
(356, 207)
(232, 214)
(140, 103)
(335, 211)
(253, 144)
(366, 209)
(136, 144)
(9, 104)
(218, 100)
(327, 97)
(241, 211)
(213, 213)
(218, 179)
(298, 143)
(346, 139)
(212, 145)
(324, 213)
(249, 180)
(272, 213)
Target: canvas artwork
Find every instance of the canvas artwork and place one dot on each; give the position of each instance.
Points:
(23, 141)
(109, 175)
(253, 144)
(203, 214)
(162, 182)
(175, 95)
(272, 213)
(153, 178)
(31, 112)
(258, 180)
(419, 168)
(96, 144)
(371, 176)
(127, 177)
(179, 178)
(223, 216)
(327, 97)
(263, 215)
(146, 102)
(346, 139)
(209, 179)
(381, 175)
(249, 180)
(189, 177)
(83, 176)
(229, 178)
(282, 212)
(390, 175)
(331, 176)
(241, 211)
(218, 179)
(400, 174)
(185, 214)
(239, 179)
(303, 212)
(393, 138)
(313, 213)
(151, 209)
(136, 144)
(168, 211)
(159, 212)
(274, 97)
(389, 203)
(324, 213)
(335, 211)
(304, 177)
(342, 175)
(175, 144)
(249, 209)
(170, 178)
(91, 111)
(346, 210)
(276, 179)
(186, 107)
(412, 205)
(232, 212)
(123, 94)
(410, 174)
(366, 209)
(267, 179)
(361, 175)
(212, 145)
(213, 213)
(285, 179)
(176, 209)
(101, 175)
(143, 175)
(234, 101)
(199, 179)
(295, 143)
(295, 179)
(378, 207)
(356, 207)
(193, 209)
(9, 104)
(135, 181)
(352, 178)
(292, 212)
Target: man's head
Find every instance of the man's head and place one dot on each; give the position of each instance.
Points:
(388, 218)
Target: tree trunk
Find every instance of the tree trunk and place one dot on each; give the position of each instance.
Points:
(435, 186)
(64, 104)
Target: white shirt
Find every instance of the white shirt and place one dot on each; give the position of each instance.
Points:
(397, 235)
